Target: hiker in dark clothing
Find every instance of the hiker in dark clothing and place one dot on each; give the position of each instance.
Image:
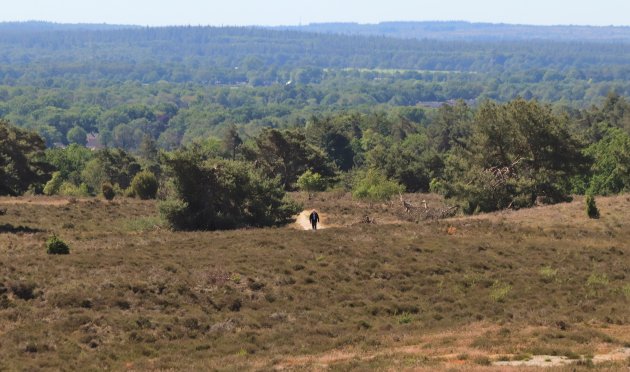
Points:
(314, 218)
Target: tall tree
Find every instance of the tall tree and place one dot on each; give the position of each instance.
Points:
(232, 141)
(287, 155)
(22, 161)
(518, 152)
(211, 194)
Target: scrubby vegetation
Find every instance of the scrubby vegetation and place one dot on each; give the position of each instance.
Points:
(54, 245)
(492, 157)
(145, 185)
(222, 126)
(591, 207)
(396, 293)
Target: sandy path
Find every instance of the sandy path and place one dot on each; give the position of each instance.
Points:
(302, 222)
(33, 201)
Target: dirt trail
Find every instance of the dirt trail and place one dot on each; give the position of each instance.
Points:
(336, 356)
(302, 222)
(34, 201)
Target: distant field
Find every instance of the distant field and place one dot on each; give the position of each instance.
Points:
(400, 294)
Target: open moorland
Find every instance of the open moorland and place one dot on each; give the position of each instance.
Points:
(545, 286)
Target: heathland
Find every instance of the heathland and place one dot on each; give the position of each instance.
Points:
(473, 195)
(403, 292)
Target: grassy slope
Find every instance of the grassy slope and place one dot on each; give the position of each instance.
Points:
(401, 294)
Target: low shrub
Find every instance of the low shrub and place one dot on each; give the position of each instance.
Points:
(52, 187)
(54, 245)
(145, 185)
(108, 191)
(23, 290)
(483, 361)
(374, 186)
(591, 207)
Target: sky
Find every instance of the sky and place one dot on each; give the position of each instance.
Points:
(294, 12)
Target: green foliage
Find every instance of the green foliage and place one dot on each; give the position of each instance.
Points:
(611, 168)
(70, 189)
(405, 318)
(210, 194)
(374, 186)
(412, 162)
(108, 191)
(597, 280)
(145, 185)
(287, 155)
(114, 166)
(311, 182)
(548, 274)
(69, 161)
(334, 135)
(77, 135)
(52, 187)
(22, 165)
(500, 291)
(591, 207)
(517, 152)
(231, 142)
(54, 245)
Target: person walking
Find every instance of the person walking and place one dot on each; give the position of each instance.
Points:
(314, 218)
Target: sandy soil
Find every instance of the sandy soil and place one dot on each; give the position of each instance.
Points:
(302, 222)
(35, 200)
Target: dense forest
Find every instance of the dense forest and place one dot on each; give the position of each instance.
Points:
(460, 30)
(488, 124)
(180, 83)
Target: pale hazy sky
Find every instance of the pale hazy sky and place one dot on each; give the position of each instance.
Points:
(292, 12)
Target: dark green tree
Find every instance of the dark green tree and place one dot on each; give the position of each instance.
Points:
(212, 194)
(231, 142)
(611, 167)
(114, 166)
(519, 152)
(287, 155)
(22, 161)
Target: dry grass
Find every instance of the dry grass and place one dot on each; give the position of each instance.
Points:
(398, 294)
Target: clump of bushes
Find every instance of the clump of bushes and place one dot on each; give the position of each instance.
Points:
(145, 185)
(108, 191)
(210, 194)
(54, 245)
(375, 186)
(310, 182)
(23, 290)
(591, 207)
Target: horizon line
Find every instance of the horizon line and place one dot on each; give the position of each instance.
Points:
(310, 24)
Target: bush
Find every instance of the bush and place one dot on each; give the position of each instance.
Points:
(145, 185)
(23, 290)
(516, 153)
(591, 207)
(108, 191)
(374, 186)
(70, 189)
(311, 182)
(218, 194)
(52, 187)
(54, 245)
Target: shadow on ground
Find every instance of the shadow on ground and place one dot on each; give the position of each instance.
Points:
(10, 229)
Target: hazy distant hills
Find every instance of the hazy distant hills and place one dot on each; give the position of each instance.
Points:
(50, 26)
(436, 30)
(460, 30)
